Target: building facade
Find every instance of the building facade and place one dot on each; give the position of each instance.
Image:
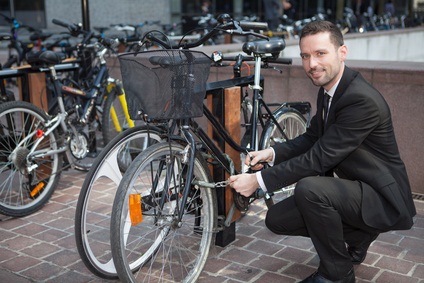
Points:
(39, 13)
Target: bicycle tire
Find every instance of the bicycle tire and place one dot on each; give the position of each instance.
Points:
(160, 248)
(114, 119)
(291, 121)
(294, 124)
(95, 200)
(26, 185)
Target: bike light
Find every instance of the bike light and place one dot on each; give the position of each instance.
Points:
(135, 209)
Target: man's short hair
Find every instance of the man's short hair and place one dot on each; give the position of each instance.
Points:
(315, 27)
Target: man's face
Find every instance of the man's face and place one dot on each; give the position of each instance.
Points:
(322, 61)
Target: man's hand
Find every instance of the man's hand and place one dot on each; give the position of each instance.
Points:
(255, 159)
(245, 184)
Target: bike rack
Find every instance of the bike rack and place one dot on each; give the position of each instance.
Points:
(224, 103)
(32, 82)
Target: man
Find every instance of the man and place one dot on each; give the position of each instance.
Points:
(370, 193)
(272, 13)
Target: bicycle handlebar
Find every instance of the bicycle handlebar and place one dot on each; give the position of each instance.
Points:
(76, 30)
(253, 25)
(240, 58)
(225, 24)
(73, 28)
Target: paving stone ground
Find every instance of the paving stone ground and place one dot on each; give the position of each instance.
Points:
(41, 248)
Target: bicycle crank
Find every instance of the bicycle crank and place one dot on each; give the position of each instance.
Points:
(78, 145)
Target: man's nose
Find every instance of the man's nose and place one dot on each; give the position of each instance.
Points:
(313, 62)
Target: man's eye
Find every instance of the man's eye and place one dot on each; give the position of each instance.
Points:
(304, 56)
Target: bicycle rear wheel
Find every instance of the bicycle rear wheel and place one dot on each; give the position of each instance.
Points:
(94, 206)
(151, 241)
(290, 120)
(27, 181)
(293, 124)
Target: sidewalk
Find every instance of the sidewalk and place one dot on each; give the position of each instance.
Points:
(41, 248)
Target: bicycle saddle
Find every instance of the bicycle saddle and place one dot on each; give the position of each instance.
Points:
(5, 36)
(39, 36)
(273, 46)
(45, 58)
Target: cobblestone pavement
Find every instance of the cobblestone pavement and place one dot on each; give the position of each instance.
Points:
(41, 248)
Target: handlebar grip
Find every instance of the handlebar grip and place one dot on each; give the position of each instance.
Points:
(60, 23)
(245, 25)
(71, 27)
(286, 61)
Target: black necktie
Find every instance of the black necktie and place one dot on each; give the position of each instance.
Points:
(326, 103)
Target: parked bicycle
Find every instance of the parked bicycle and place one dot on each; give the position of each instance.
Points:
(98, 191)
(33, 142)
(17, 48)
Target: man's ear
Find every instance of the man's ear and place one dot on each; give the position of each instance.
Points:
(343, 52)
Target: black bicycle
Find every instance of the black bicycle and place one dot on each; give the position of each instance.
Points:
(98, 191)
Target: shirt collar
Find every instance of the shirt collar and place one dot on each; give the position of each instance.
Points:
(333, 89)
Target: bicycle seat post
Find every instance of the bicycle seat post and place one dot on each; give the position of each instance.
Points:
(256, 88)
(259, 49)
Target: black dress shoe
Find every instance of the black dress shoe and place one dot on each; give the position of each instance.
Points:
(318, 278)
(359, 253)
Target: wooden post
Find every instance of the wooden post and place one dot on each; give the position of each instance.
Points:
(225, 105)
(232, 125)
(37, 88)
(32, 88)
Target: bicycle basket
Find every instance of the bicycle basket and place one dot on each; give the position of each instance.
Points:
(165, 84)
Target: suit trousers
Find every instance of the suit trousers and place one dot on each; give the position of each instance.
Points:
(328, 210)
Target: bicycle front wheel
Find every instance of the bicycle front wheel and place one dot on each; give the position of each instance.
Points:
(94, 206)
(29, 172)
(150, 242)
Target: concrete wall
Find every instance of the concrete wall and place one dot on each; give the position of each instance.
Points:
(392, 45)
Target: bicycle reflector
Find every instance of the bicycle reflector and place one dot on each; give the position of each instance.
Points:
(36, 189)
(135, 209)
(39, 133)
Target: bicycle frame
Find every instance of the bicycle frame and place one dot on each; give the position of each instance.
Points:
(60, 118)
(114, 83)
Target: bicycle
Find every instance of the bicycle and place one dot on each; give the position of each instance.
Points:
(33, 142)
(87, 230)
(112, 104)
(17, 49)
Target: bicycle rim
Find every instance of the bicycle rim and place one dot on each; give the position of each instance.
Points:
(94, 206)
(159, 248)
(292, 123)
(26, 181)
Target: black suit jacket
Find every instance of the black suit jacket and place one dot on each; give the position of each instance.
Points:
(358, 143)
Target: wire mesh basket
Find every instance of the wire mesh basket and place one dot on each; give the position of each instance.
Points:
(165, 84)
